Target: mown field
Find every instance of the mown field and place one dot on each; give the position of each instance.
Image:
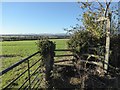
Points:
(14, 51)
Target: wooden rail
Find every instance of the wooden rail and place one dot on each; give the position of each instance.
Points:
(63, 65)
(64, 55)
(97, 63)
(63, 60)
(64, 50)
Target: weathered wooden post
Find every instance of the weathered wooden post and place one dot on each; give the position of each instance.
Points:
(107, 41)
(108, 19)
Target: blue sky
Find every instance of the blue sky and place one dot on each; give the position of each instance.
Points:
(38, 17)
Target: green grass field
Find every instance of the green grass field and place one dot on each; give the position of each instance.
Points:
(13, 51)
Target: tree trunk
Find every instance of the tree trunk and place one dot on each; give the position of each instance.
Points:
(107, 43)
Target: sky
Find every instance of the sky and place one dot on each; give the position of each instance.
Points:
(38, 17)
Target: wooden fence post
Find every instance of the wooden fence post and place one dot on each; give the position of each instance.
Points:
(107, 42)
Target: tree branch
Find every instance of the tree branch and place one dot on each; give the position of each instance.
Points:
(86, 4)
(100, 4)
(107, 7)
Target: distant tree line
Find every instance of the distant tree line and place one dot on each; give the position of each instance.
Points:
(30, 37)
